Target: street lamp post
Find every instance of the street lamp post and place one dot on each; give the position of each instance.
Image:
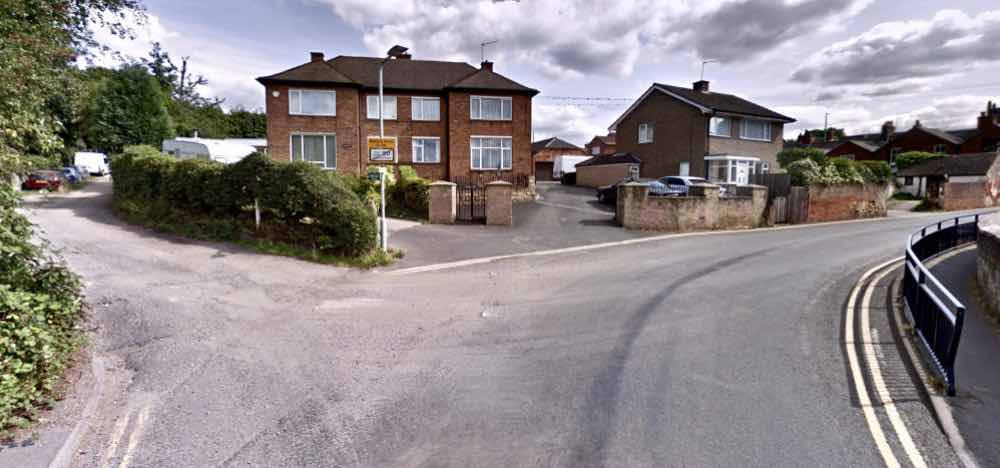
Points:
(395, 52)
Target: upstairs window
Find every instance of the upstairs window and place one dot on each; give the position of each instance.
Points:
(756, 130)
(941, 148)
(312, 102)
(645, 133)
(425, 108)
(388, 107)
(490, 108)
(720, 126)
(595, 150)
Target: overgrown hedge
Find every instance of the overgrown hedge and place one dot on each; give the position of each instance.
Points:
(300, 204)
(835, 171)
(40, 309)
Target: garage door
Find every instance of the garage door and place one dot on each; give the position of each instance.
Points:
(543, 170)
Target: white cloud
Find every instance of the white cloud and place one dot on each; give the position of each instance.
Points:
(949, 113)
(571, 39)
(230, 70)
(951, 41)
(576, 124)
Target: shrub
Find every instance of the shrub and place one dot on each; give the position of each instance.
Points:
(835, 171)
(914, 158)
(300, 204)
(789, 156)
(40, 308)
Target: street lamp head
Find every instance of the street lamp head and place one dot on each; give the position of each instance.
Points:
(396, 51)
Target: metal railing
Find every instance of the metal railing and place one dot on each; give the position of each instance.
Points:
(936, 315)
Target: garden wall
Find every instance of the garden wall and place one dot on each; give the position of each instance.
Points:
(703, 209)
(988, 263)
(840, 202)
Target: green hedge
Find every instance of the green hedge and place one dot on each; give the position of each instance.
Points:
(40, 309)
(408, 197)
(914, 158)
(835, 171)
(300, 204)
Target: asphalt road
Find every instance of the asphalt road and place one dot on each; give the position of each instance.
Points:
(717, 350)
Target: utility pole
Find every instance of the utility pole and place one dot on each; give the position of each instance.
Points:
(482, 49)
(826, 127)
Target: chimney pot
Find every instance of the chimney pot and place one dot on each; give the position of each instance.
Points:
(700, 85)
(486, 65)
(404, 56)
(315, 56)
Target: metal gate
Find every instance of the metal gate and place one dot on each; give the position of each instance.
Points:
(471, 202)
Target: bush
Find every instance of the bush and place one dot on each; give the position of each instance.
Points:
(40, 308)
(914, 158)
(836, 171)
(408, 197)
(300, 204)
(789, 156)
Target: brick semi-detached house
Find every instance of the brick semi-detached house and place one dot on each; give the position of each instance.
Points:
(446, 119)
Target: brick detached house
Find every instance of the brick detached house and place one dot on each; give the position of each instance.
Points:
(601, 145)
(446, 119)
(545, 151)
(887, 144)
(698, 132)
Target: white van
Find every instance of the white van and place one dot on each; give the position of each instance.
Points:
(565, 164)
(94, 163)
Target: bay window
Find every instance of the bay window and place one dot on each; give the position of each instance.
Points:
(756, 130)
(318, 149)
(490, 108)
(491, 152)
(426, 149)
(312, 102)
(388, 107)
(425, 108)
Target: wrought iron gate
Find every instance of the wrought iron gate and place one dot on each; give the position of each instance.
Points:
(471, 202)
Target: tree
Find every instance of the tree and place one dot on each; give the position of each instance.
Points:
(181, 84)
(246, 124)
(914, 158)
(128, 109)
(39, 40)
(788, 156)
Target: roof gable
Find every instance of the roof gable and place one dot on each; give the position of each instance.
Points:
(708, 103)
(489, 80)
(552, 143)
(313, 71)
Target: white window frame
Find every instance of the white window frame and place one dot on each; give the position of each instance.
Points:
(299, 110)
(595, 150)
(684, 169)
(326, 157)
(385, 107)
(472, 159)
(413, 107)
(645, 132)
(767, 130)
(944, 148)
(395, 149)
(413, 154)
(476, 107)
(729, 126)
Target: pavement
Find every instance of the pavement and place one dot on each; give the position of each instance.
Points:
(976, 406)
(725, 349)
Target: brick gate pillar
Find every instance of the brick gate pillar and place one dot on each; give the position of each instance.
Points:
(499, 203)
(441, 203)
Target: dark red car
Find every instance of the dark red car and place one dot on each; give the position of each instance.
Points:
(42, 180)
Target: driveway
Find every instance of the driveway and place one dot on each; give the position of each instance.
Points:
(562, 216)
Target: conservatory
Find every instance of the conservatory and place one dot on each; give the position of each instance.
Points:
(730, 169)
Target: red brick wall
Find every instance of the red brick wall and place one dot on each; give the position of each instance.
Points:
(848, 148)
(913, 140)
(839, 202)
(680, 133)
(461, 129)
(404, 128)
(280, 125)
(604, 148)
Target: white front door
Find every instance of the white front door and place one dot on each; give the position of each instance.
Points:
(742, 172)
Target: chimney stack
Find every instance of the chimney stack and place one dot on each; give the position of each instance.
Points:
(990, 118)
(404, 56)
(831, 134)
(917, 124)
(486, 65)
(806, 138)
(701, 86)
(888, 130)
(315, 56)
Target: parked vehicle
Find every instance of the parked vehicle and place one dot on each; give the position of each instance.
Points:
(568, 178)
(609, 193)
(71, 174)
(40, 180)
(566, 164)
(94, 163)
(681, 184)
(82, 171)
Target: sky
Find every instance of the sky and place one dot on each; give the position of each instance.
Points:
(856, 63)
